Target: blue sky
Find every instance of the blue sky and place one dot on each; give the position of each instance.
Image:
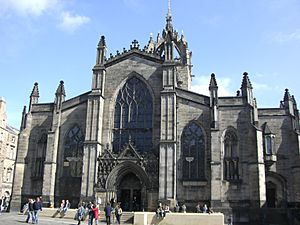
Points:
(52, 40)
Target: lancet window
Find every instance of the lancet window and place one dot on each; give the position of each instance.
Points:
(133, 116)
(231, 158)
(193, 152)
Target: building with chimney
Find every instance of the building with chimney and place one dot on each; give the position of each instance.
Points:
(140, 135)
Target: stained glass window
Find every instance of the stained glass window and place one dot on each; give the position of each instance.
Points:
(73, 153)
(231, 159)
(133, 116)
(40, 156)
(193, 152)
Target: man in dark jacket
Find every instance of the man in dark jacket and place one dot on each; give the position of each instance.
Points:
(30, 211)
(108, 209)
(37, 207)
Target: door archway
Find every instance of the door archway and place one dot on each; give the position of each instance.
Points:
(130, 183)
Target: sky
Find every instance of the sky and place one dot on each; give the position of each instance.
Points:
(46, 41)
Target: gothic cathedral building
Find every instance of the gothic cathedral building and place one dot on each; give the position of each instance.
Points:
(141, 136)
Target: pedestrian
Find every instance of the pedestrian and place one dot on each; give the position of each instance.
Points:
(160, 212)
(205, 208)
(79, 213)
(183, 208)
(96, 213)
(108, 210)
(198, 208)
(30, 211)
(37, 207)
(61, 206)
(66, 207)
(118, 212)
(91, 214)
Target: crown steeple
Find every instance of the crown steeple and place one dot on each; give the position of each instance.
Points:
(169, 26)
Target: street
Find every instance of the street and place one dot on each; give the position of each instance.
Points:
(15, 218)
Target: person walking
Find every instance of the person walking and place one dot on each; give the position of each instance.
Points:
(118, 212)
(108, 210)
(30, 211)
(91, 214)
(96, 213)
(37, 207)
(79, 213)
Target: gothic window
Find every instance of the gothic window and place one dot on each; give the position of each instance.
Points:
(231, 159)
(73, 153)
(40, 156)
(133, 116)
(193, 152)
(268, 140)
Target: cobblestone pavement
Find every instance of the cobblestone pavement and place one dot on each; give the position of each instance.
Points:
(17, 219)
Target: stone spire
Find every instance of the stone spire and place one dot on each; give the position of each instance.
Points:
(213, 89)
(288, 102)
(23, 121)
(213, 82)
(60, 95)
(34, 97)
(246, 89)
(169, 26)
(101, 51)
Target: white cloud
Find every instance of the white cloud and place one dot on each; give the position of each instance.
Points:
(201, 85)
(28, 7)
(70, 23)
(287, 37)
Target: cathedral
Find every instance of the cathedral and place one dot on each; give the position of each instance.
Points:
(141, 136)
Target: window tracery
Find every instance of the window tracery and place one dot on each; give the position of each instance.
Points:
(193, 152)
(133, 116)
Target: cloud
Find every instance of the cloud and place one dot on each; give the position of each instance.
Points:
(70, 23)
(201, 85)
(282, 37)
(28, 7)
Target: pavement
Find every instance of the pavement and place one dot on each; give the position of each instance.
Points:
(15, 218)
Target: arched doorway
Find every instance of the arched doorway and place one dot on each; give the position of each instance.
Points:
(275, 190)
(129, 182)
(271, 194)
(130, 193)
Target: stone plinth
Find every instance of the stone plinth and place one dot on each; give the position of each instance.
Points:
(150, 218)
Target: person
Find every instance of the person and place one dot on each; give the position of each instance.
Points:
(183, 208)
(79, 213)
(198, 208)
(210, 210)
(205, 208)
(176, 208)
(91, 213)
(30, 211)
(160, 212)
(1, 204)
(113, 205)
(108, 211)
(61, 206)
(118, 212)
(66, 207)
(96, 213)
(37, 207)
(166, 209)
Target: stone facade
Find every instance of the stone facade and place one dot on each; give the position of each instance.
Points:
(8, 152)
(141, 136)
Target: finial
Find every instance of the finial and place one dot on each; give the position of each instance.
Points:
(169, 7)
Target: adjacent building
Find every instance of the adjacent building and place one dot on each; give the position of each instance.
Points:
(8, 152)
(140, 135)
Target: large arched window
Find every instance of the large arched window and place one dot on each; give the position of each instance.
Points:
(40, 157)
(231, 159)
(133, 116)
(73, 153)
(193, 152)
